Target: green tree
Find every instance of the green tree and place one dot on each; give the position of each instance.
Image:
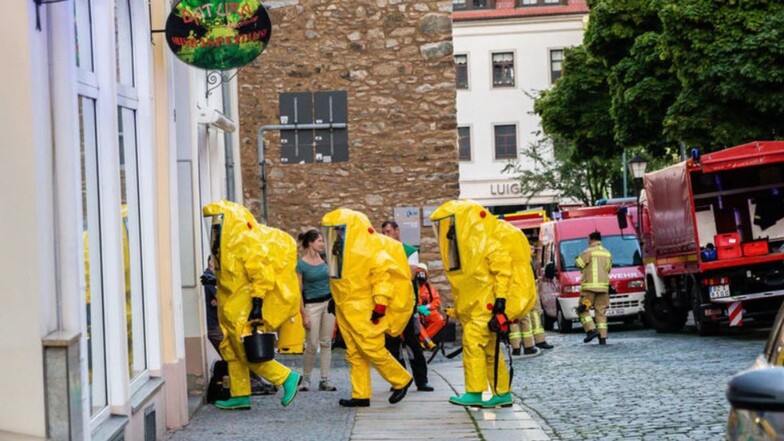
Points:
(548, 166)
(729, 59)
(577, 107)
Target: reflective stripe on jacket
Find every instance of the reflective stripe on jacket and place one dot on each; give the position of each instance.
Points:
(595, 263)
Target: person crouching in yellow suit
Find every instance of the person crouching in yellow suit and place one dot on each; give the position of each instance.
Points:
(371, 286)
(479, 269)
(255, 268)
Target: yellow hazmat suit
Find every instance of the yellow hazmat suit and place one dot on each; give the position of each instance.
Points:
(367, 269)
(479, 269)
(522, 287)
(252, 261)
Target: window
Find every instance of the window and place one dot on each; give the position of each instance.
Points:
(123, 42)
(464, 143)
(461, 71)
(84, 35)
(506, 141)
(541, 2)
(91, 237)
(503, 69)
(301, 146)
(556, 64)
(132, 253)
(461, 5)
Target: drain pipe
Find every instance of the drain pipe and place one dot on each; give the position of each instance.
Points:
(228, 147)
(260, 152)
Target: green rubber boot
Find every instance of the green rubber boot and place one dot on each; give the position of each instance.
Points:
(290, 388)
(503, 400)
(234, 403)
(467, 399)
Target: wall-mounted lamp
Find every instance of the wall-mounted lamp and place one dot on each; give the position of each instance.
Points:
(214, 118)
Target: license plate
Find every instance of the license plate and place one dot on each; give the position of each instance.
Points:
(614, 312)
(712, 312)
(719, 291)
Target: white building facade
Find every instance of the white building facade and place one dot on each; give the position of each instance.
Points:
(111, 146)
(506, 52)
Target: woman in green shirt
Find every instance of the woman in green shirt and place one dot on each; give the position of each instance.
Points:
(319, 323)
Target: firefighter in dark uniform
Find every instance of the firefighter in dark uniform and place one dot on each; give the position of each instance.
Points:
(596, 263)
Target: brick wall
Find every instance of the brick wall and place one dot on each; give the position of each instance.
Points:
(394, 60)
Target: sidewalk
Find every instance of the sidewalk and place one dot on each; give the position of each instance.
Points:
(316, 415)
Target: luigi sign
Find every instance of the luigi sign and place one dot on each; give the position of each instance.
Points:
(218, 34)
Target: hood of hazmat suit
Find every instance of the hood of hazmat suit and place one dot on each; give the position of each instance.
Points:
(251, 260)
(522, 287)
(477, 266)
(366, 268)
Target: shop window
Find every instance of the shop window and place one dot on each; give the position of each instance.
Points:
(461, 71)
(506, 141)
(503, 69)
(464, 143)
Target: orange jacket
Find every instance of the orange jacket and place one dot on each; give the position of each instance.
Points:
(428, 295)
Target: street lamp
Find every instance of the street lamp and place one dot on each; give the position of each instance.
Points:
(637, 166)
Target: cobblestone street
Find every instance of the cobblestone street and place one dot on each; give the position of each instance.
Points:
(642, 385)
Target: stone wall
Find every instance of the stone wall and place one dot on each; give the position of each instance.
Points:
(394, 60)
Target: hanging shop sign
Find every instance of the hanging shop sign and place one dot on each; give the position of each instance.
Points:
(218, 34)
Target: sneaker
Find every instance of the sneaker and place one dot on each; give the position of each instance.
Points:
(305, 386)
(327, 385)
(544, 345)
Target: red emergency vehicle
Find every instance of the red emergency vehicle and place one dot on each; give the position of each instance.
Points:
(713, 238)
(559, 279)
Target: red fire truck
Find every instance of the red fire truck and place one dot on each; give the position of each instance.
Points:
(712, 229)
(559, 279)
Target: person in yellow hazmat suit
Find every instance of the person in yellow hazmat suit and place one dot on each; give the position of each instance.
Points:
(486, 289)
(256, 282)
(371, 286)
(522, 327)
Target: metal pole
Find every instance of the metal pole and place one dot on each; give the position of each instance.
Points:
(623, 171)
(260, 153)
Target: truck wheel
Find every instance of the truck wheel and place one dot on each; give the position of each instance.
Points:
(705, 326)
(661, 314)
(564, 325)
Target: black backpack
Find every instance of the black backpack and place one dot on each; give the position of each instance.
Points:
(218, 389)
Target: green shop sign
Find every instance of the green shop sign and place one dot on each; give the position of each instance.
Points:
(218, 34)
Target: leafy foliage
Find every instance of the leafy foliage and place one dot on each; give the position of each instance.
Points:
(551, 166)
(654, 73)
(729, 59)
